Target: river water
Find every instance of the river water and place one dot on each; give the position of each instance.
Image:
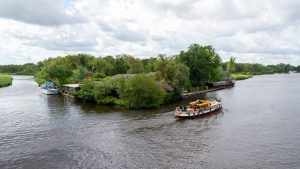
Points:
(259, 127)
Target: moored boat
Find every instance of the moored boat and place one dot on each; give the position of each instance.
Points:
(49, 88)
(225, 83)
(198, 108)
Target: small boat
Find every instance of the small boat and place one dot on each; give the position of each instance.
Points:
(49, 88)
(198, 108)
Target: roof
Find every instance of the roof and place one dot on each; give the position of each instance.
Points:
(71, 85)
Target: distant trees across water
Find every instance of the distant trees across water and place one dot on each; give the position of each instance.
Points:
(26, 69)
(141, 83)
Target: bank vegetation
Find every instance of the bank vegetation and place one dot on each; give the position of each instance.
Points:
(5, 80)
(141, 83)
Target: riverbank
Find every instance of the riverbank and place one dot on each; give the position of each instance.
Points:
(5, 80)
(241, 76)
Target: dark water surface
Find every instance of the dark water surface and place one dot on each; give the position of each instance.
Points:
(259, 127)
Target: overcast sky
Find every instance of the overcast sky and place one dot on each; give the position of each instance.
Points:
(256, 31)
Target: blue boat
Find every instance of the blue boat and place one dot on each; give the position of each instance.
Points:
(49, 88)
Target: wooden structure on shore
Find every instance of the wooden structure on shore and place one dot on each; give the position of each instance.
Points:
(71, 87)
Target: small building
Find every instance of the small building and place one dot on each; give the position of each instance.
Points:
(71, 87)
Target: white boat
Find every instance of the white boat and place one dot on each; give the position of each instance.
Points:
(49, 88)
(198, 108)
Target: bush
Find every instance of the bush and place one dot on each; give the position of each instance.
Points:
(86, 91)
(142, 91)
(5, 80)
(241, 76)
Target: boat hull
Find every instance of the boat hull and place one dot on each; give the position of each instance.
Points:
(50, 91)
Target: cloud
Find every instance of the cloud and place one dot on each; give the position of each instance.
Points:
(40, 12)
(122, 32)
(252, 31)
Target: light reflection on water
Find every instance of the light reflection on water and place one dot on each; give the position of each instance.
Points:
(259, 127)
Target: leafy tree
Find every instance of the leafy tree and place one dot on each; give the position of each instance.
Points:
(79, 74)
(203, 62)
(231, 65)
(86, 92)
(119, 66)
(135, 65)
(142, 91)
(149, 64)
(58, 70)
(101, 66)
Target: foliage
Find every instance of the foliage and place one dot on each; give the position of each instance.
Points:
(149, 64)
(135, 65)
(119, 66)
(142, 91)
(258, 69)
(86, 91)
(26, 69)
(203, 62)
(297, 69)
(172, 72)
(231, 65)
(5, 80)
(241, 76)
(156, 80)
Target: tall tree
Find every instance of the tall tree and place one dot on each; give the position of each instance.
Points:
(203, 62)
(231, 65)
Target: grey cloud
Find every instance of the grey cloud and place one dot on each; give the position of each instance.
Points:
(122, 32)
(61, 39)
(64, 45)
(259, 50)
(40, 12)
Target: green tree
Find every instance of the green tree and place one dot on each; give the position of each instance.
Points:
(149, 64)
(86, 92)
(101, 66)
(58, 70)
(142, 91)
(135, 65)
(119, 66)
(231, 65)
(203, 62)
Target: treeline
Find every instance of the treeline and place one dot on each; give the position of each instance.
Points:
(26, 69)
(141, 83)
(259, 69)
(147, 83)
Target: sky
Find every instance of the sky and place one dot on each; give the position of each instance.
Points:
(254, 31)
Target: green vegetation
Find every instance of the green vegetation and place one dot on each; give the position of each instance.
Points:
(204, 64)
(259, 69)
(141, 83)
(5, 80)
(241, 76)
(297, 69)
(26, 69)
(148, 82)
(241, 71)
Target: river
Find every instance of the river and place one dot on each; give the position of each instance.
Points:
(259, 127)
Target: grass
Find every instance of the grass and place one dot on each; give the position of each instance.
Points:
(5, 80)
(241, 76)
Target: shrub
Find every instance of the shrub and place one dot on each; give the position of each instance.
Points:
(142, 91)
